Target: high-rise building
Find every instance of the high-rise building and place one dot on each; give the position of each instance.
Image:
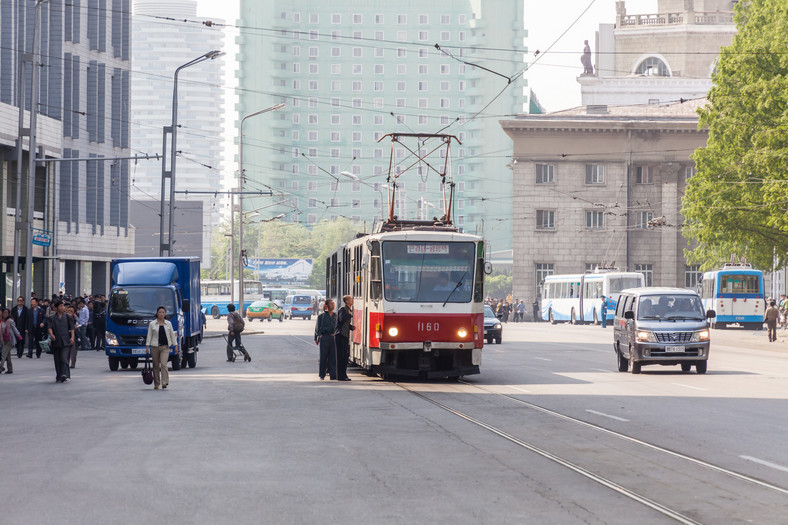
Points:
(83, 62)
(351, 72)
(160, 46)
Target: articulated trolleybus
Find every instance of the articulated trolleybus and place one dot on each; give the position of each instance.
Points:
(736, 294)
(418, 289)
(578, 298)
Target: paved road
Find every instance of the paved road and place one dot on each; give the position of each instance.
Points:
(567, 438)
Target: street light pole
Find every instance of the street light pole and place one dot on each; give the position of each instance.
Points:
(173, 131)
(241, 207)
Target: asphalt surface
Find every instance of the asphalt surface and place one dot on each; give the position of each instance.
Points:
(268, 442)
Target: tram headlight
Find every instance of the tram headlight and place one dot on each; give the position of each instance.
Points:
(393, 331)
(700, 335)
(462, 332)
(644, 336)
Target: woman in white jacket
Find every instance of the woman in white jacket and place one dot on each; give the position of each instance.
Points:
(160, 339)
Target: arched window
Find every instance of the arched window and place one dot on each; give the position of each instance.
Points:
(653, 67)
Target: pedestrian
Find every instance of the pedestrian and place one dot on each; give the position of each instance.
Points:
(521, 311)
(160, 339)
(10, 336)
(77, 336)
(772, 315)
(19, 316)
(61, 333)
(324, 336)
(783, 306)
(83, 314)
(36, 328)
(535, 309)
(603, 312)
(89, 332)
(342, 336)
(235, 325)
(99, 321)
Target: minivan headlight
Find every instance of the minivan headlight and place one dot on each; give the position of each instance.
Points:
(644, 336)
(700, 335)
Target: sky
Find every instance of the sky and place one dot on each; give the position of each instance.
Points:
(552, 77)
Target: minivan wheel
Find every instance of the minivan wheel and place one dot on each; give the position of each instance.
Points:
(623, 364)
(634, 365)
(700, 367)
(686, 367)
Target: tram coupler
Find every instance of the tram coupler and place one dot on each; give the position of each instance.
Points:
(427, 347)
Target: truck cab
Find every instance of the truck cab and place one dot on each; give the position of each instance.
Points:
(139, 287)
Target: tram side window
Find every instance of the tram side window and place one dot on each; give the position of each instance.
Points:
(375, 273)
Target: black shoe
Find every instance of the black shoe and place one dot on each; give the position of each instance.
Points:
(344, 379)
(63, 379)
(9, 371)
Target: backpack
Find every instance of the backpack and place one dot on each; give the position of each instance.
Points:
(238, 322)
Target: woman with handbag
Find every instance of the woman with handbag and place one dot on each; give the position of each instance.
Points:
(10, 336)
(160, 338)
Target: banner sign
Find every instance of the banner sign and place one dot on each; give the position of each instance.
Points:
(281, 269)
(42, 237)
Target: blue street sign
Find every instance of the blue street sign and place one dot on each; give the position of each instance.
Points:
(42, 237)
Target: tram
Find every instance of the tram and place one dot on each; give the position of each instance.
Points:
(418, 289)
(736, 294)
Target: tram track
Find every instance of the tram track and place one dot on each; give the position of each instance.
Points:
(589, 474)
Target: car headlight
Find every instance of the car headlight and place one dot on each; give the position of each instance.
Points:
(700, 335)
(644, 336)
(112, 339)
(393, 331)
(497, 326)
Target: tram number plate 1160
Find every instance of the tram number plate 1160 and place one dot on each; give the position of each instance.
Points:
(427, 327)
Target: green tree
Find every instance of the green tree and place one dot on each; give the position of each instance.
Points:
(736, 203)
(498, 286)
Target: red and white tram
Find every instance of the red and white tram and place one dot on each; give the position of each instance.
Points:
(418, 300)
(418, 285)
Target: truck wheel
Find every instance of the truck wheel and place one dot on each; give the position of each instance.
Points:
(124, 364)
(134, 363)
(191, 359)
(215, 312)
(113, 363)
(176, 362)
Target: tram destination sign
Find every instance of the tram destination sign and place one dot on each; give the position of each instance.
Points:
(428, 249)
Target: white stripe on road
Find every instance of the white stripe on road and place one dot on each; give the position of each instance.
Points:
(601, 370)
(605, 415)
(520, 389)
(690, 386)
(542, 358)
(766, 463)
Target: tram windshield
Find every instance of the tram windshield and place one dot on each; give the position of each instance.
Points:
(432, 272)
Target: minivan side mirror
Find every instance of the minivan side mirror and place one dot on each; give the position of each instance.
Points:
(629, 314)
(711, 314)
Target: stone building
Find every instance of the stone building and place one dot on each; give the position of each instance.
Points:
(602, 185)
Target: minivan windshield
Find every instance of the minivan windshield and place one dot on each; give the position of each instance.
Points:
(669, 307)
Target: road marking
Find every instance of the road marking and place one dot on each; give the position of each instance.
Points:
(542, 358)
(690, 386)
(520, 389)
(601, 370)
(606, 415)
(765, 463)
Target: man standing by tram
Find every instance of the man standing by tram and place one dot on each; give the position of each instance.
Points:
(342, 336)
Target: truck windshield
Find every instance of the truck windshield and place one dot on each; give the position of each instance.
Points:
(141, 302)
(433, 272)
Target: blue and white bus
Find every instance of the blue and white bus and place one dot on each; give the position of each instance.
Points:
(736, 294)
(577, 298)
(216, 295)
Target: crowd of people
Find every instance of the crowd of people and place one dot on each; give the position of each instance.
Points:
(60, 325)
(513, 309)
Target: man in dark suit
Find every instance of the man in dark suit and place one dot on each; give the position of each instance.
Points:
(19, 315)
(36, 327)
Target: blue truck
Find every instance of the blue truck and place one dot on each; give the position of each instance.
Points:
(138, 286)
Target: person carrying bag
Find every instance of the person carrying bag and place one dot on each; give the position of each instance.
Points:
(160, 338)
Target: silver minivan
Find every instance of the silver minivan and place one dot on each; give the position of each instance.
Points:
(661, 326)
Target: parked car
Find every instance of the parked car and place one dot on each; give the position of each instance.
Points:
(264, 310)
(661, 326)
(492, 326)
(298, 306)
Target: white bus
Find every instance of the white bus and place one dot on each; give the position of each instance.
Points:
(577, 298)
(736, 294)
(216, 295)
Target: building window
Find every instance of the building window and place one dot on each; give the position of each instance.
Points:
(378, 35)
(357, 69)
(422, 85)
(378, 86)
(378, 19)
(357, 52)
(595, 174)
(643, 175)
(445, 19)
(402, 19)
(311, 218)
(461, 20)
(336, 19)
(542, 271)
(424, 19)
(357, 19)
(645, 217)
(591, 267)
(424, 36)
(653, 67)
(335, 52)
(545, 219)
(689, 172)
(378, 69)
(595, 220)
(334, 136)
(312, 203)
(336, 85)
(312, 136)
(401, 52)
(648, 272)
(545, 174)
(379, 52)
(444, 36)
(692, 275)
(356, 85)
